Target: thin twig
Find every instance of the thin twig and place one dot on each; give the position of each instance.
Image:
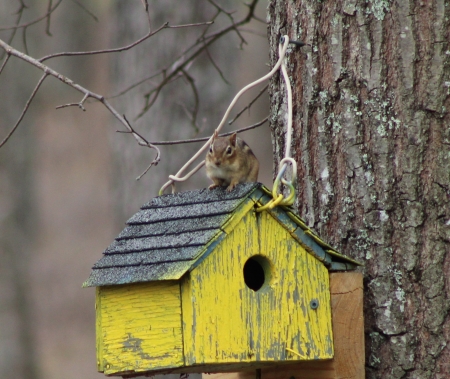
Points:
(260, 20)
(19, 16)
(24, 110)
(145, 4)
(129, 88)
(196, 99)
(230, 16)
(164, 70)
(4, 63)
(87, 93)
(216, 66)
(144, 142)
(123, 48)
(32, 22)
(79, 104)
(147, 12)
(24, 40)
(202, 139)
(86, 10)
(254, 32)
(206, 41)
(248, 105)
(47, 27)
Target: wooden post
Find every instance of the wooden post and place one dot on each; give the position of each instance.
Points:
(348, 329)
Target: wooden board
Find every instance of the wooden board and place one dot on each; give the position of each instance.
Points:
(139, 327)
(226, 322)
(348, 329)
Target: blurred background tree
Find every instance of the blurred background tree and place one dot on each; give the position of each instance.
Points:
(68, 180)
(371, 136)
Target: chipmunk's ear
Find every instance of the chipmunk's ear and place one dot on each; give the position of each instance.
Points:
(233, 139)
(215, 135)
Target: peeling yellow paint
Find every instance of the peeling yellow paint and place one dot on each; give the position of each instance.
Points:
(211, 317)
(224, 321)
(139, 327)
(237, 216)
(98, 326)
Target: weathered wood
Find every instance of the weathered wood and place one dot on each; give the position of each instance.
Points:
(348, 324)
(224, 321)
(254, 298)
(139, 327)
(348, 329)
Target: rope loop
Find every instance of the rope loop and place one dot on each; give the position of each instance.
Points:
(290, 184)
(278, 199)
(177, 178)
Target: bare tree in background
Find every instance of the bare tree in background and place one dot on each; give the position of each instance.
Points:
(372, 139)
(145, 54)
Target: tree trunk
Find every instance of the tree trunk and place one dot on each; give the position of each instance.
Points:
(372, 142)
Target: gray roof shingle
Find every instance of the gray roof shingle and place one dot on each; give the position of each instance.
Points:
(165, 238)
(171, 233)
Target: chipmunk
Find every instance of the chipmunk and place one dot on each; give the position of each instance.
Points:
(230, 161)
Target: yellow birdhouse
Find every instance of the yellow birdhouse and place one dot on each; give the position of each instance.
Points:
(199, 281)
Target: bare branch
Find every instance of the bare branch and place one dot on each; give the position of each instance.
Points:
(248, 106)
(4, 63)
(129, 88)
(144, 142)
(203, 42)
(216, 66)
(24, 110)
(230, 16)
(48, 71)
(196, 99)
(32, 22)
(254, 32)
(79, 105)
(145, 4)
(24, 40)
(19, 16)
(123, 48)
(86, 10)
(202, 139)
(47, 27)
(202, 36)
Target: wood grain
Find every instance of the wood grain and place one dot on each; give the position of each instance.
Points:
(348, 328)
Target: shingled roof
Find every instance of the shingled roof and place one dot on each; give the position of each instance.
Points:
(171, 234)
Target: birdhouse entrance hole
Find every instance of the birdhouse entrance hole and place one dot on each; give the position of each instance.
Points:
(257, 272)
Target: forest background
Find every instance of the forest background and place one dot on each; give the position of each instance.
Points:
(68, 180)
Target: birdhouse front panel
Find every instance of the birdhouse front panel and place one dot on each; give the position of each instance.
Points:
(139, 327)
(200, 281)
(259, 297)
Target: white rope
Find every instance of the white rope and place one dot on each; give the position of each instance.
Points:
(282, 51)
(279, 199)
(287, 153)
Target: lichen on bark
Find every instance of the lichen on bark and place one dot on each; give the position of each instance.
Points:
(371, 116)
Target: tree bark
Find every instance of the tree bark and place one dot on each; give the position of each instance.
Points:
(371, 138)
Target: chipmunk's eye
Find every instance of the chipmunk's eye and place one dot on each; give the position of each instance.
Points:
(210, 149)
(229, 150)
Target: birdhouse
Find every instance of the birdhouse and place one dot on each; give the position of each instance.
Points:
(199, 281)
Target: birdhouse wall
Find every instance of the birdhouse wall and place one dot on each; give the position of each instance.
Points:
(225, 321)
(139, 327)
